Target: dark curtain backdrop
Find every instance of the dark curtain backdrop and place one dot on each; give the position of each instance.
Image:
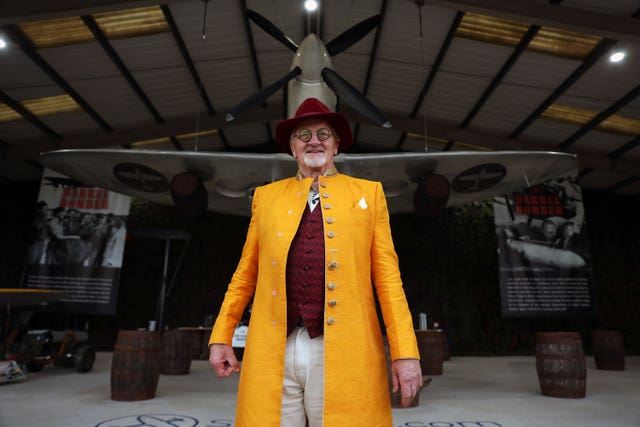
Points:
(449, 268)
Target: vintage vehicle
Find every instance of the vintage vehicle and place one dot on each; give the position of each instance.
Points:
(36, 348)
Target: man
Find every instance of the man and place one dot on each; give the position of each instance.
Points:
(318, 246)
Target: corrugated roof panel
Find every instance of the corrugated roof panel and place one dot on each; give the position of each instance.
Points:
(508, 107)
(375, 138)
(453, 95)
(419, 145)
(225, 36)
(549, 131)
(475, 58)
(593, 104)
(18, 71)
(273, 65)
(632, 109)
(352, 68)
(339, 16)
(24, 93)
(205, 143)
(538, 70)
(400, 39)
(83, 61)
(608, 81)
(600, 142)
(179, 98)
(67, 123)
(114, 100)
(228, 81)
(16, 131)
(395, 86)
(149, 52)
(247, 135)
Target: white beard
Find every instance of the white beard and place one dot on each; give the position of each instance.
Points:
(315, 161)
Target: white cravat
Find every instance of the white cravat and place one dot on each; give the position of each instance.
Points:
(314, 198)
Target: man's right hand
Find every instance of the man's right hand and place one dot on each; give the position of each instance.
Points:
(223, 360)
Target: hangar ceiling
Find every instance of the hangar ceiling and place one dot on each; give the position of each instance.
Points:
(449, 74)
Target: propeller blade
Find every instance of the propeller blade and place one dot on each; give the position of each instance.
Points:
(262, 94)
(355, 99)
(271, 29)
(353, 35)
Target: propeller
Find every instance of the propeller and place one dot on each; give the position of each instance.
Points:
(271, 29)
(353, 35)
(355, 99)
(262, 94)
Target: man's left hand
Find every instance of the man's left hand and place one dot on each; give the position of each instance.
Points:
(406, 376)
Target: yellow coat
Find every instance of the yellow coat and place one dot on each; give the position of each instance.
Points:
(358, 241)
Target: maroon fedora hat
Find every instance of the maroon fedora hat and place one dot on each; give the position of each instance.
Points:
(312, 108)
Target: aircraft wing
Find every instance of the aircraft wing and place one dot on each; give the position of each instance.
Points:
(229, 178)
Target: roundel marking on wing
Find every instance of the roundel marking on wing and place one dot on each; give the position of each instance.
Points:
(479, 178)
(140, 177)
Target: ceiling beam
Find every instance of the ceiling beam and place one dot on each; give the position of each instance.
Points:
(534, 12)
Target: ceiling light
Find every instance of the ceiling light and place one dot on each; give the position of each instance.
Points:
(311, 5)
(3, 43)
(617, 56)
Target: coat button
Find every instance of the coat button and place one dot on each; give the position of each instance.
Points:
(331, 234)
(332, 303)
(332, 285)
(279, 234)
(330, 220)
(327, 206)
(325, 195)
(330, 320)
(273, 293)
(289, 212)
(273, 262)
(323, 184)
(333, 265)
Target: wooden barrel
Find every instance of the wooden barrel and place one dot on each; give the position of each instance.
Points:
(177, 346)
(561, 364)
(431, 351)
(135, 367)
(196, 341)
(608, 350)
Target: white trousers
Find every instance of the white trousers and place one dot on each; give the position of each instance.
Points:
(303, 385)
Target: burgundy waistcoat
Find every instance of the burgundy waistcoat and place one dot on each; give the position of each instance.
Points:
(305, 275)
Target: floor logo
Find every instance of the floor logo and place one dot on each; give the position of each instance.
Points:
(151, 420)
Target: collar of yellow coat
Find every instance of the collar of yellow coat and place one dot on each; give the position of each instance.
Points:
(330, 172)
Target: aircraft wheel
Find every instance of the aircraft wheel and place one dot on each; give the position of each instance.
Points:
(84, 358)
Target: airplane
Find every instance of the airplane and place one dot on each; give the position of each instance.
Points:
(223, 182)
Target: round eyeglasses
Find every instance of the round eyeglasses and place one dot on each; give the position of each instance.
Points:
(305, 135)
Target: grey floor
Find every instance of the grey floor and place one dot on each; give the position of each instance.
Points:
(473, 391)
